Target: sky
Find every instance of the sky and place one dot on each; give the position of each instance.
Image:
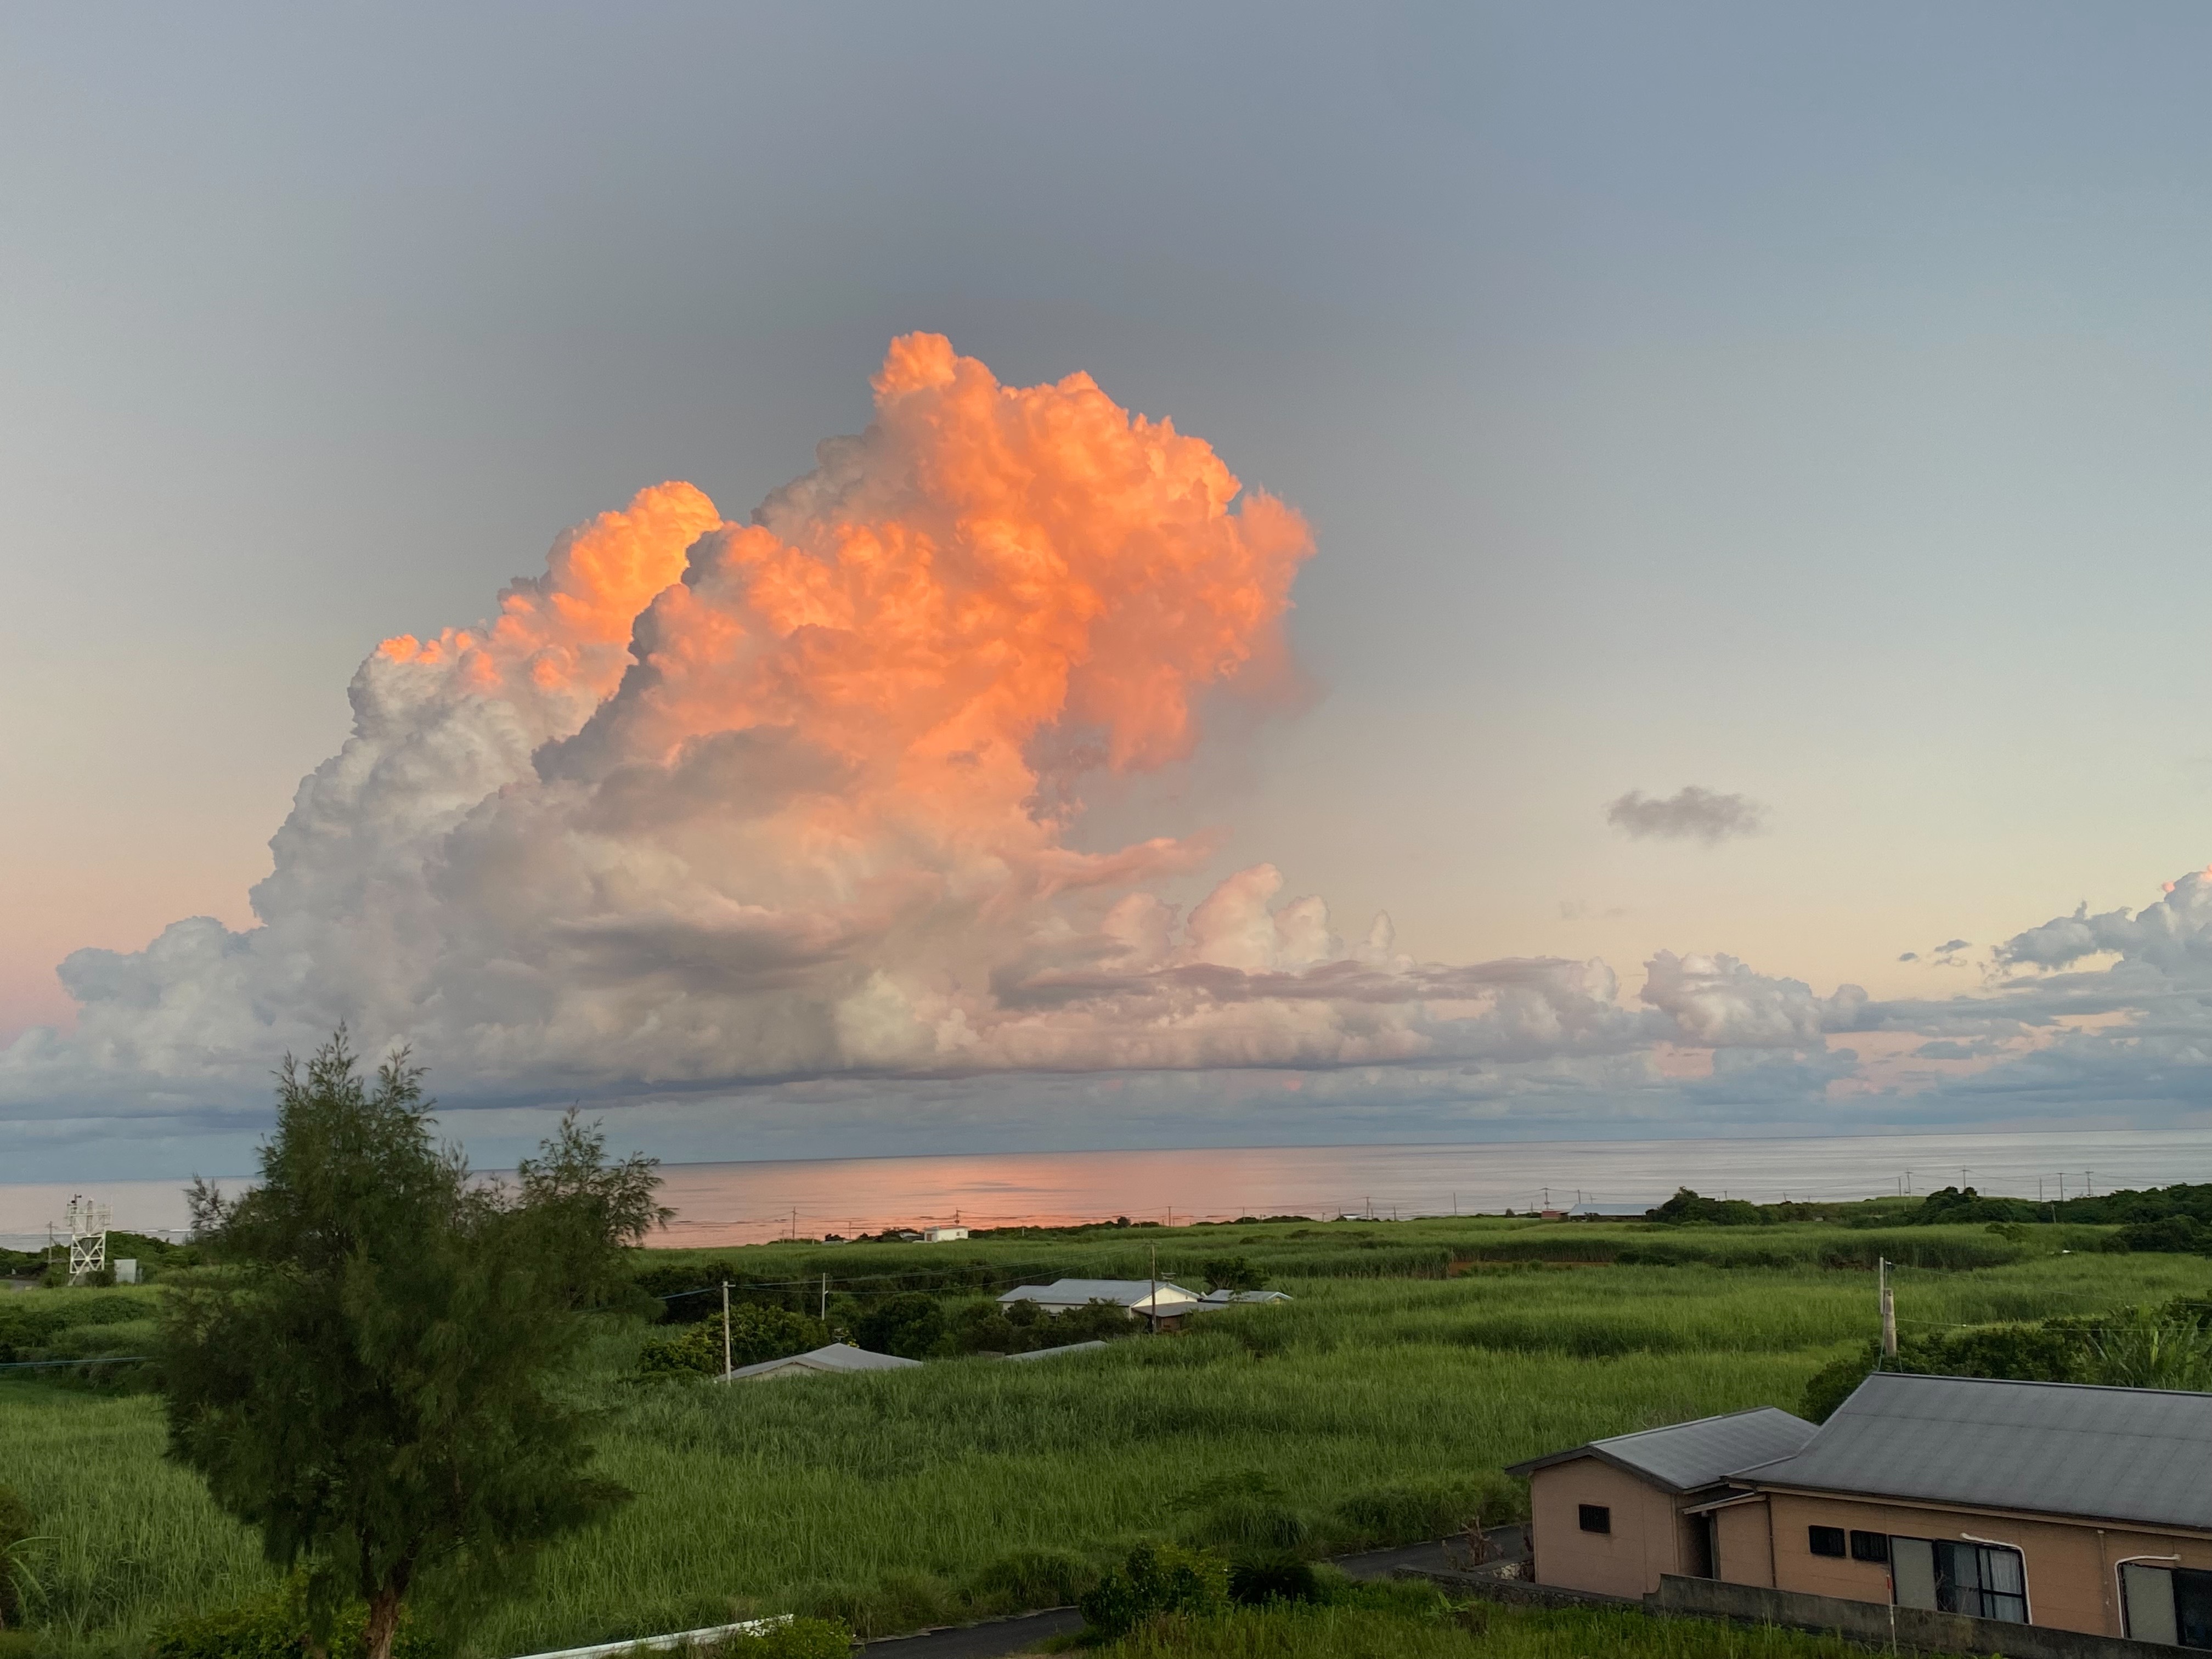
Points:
(1733, 597)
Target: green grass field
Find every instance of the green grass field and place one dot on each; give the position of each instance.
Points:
(1378, 1407)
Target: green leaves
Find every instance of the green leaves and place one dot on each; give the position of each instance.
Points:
(369, 1377)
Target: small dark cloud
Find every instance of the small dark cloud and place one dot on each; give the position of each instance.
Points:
(1691, 814)
(1948, 948)
(1909, 956)
(1944, 1051)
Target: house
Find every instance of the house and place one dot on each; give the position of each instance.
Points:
(1613, 1516)
(1233, 1298)
(1143, 1297)
(837, 1357)
(942, 1235)
(2073, 1507)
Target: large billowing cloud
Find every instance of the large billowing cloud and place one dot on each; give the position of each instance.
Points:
(787, 804)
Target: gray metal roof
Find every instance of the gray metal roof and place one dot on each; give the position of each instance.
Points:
(2058, 1448)
(1046, 1354)
(1684, 1456)
(837, 1357)
(1075, 1292)
(1224, 1299)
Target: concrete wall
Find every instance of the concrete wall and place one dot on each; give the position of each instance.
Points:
(1645, 1541)
(2072, 1567)
(1867, 1622)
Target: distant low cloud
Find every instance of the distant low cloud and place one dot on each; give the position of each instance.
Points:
(1691, 814)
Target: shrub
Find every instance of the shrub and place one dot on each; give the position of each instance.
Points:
(1281, 1576)
(1155, 1579)
(757, 1333)
(2179, 1235)
(910, 1324)
(275, 1627)
(796, 1638)
(1032, 1578)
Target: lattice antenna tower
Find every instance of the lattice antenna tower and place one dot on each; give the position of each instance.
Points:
(88, 1226)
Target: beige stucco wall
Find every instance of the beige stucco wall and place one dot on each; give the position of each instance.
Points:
(2072, 1567)
(1740, 1540)
(1645, 1540)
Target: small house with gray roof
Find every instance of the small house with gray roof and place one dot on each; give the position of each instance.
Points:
(1613, 1516)
(2071, 1507)
(1153, 1298)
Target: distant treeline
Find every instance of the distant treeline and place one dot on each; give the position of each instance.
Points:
(2178, 1218)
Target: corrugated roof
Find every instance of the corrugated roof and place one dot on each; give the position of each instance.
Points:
(1684, 1456)
(2060, 1448)
(837, 1357)
(1224, 1299)
(1074, 1292)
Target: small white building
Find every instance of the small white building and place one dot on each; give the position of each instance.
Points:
(942, 1235)
(1143, 1297)
(837, 1357)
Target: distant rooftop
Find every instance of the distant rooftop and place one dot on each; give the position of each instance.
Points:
(837, 1357)
(1128, 1292)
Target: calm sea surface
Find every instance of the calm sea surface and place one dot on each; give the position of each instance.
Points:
(739, 1203)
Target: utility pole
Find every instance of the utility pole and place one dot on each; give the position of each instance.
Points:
(726, 1330)
(1153, 1303)
(1888, 1315)
(825, 1296)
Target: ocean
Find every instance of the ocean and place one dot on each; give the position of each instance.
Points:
(745, 1203)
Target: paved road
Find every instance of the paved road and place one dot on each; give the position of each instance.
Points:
(1001, 1637)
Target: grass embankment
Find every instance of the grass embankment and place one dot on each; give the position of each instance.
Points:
(1377, 1409)
(1407, 1622)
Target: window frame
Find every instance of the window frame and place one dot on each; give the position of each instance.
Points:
(1830, 1543)
(1869, 1546)
(1602, 1512)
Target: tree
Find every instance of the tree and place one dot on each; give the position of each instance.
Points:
(365, 1374)
(581, 1213)
(908, 1324)
(1232, 1272)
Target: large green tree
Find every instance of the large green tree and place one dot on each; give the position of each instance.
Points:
(369, 1373)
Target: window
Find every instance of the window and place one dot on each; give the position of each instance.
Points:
(1825, 1540)
(1596, 1517)
(1982, 1581)
(1870, 1546)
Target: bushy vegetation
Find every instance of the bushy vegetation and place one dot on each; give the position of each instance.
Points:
(1155, 1579)
(276, 1625)
(755, 1332)
(2167, 1346)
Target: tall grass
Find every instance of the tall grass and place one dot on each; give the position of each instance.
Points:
(1370, 1628)
(1375, 1408)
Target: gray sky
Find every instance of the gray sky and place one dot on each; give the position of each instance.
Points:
(1800, 405)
